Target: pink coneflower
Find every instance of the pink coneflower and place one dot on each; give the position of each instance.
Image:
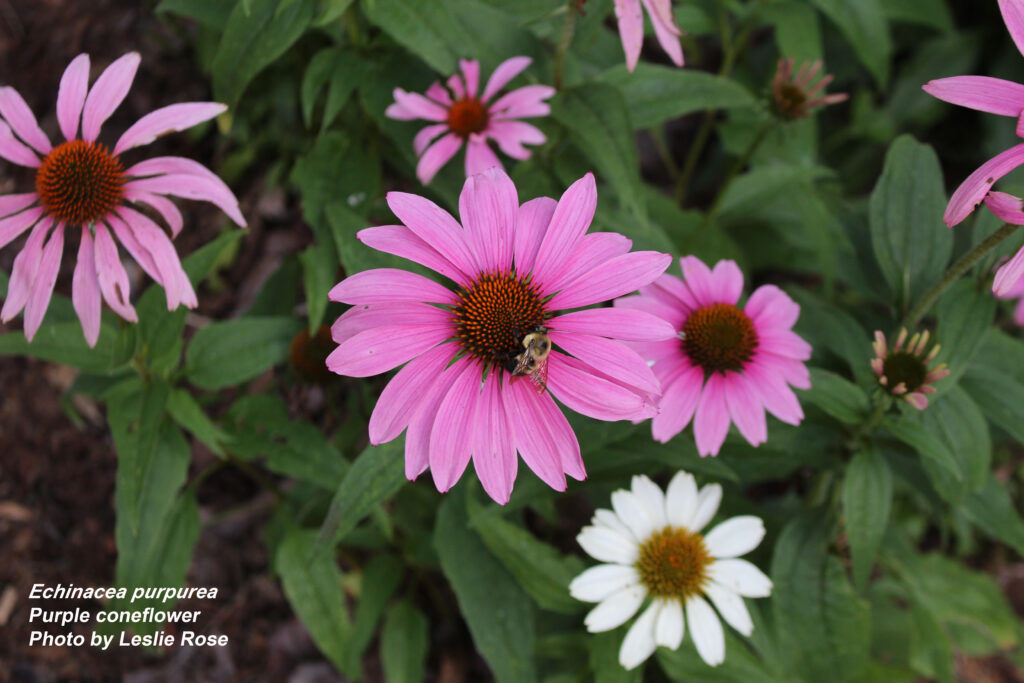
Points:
(631, 29)
(463, 116)
(480, 372)
(725, 363)
(994, 96)
(80, 184)
(903, 370)
(1016, 292)
(796, 95)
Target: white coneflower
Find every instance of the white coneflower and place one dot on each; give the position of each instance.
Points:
(653, 546)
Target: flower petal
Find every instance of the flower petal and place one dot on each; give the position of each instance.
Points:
(471, 74)
(606, 545)
(591, 251)
(164, 206)
(113, 279)
(573, 384)
(617, 323)
(711, 422)
(614, 278)
(42, 284)
(665, 29)
(633, 514)
(974, 188)
(681, 500)
(573, 215)
(385, 348)
(505, 72)
(543, 437)
(512, 135)
(489, 208)
(1013, 16)
(424, 414)
(678, 403)
(381, 285)
(155, 241)
(185, 178)
(107, 93)
(668, 631)
(740, 576)
(631, 29)
(613, 358)
(11, 227)
(708, 501)
(745, 409)
(22, 120)
(597, 583)
(639, 643)
(404, 392)
(85, 289)
(451, 437)
(983, 93)
(706, 631)
(479, 156)
(372, 316)
(15, 152)
(494, 455)
(436, 227)
(74, 85)
(735, 536)
(525, 102)
(731, 607)
(531, 226)
(410, 105)
(23, 274)
(427, 135)
(770, 307)
(403, 242)
(169, 119)
(1009, 275)
(436, 156)
(615, 610)
(651, 497)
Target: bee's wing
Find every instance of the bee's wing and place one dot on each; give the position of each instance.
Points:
(540, 375)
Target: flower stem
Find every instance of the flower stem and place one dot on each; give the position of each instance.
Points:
(563, 45)
(953, 274)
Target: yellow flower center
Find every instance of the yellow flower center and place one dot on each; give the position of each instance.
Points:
(673, 563)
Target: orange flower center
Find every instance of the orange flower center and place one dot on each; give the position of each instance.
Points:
(78, 182)
(719, 337)
(468, 115)
(673, 563)
(494, 315)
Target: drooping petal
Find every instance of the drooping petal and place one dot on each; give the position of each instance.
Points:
(489, 208)
(678, 403)
(573, 384)
(512, 135)
(612, 357)
(45, 279)
(22, 120)
(427, 135)
(169, 119)
(606, 545)
(451, 438)
(614, 278)
(631, 29)
(731, 607)
(85, 289)
(615, 610)
(389, 284)
(706, 631)
(494, 455)
(410, 105)
(107, 93)
(479, 156)
(112, 276)
(974, 188)
(665, 29)
(74, 85)
(14, 151)
(668, 631)
(424, 414)
(154, 240)
(404, 392)
(740, 576)
(597, 583)
(711, 421)
(525, 102)
(681, 500)
(505, 72)
(1006, 207)
(783, 343)
(531, 226)
(591, 251)
(572, 216)
(775, 395)
(1013, 16)
(185, 178)
(540, 434)
(617, 323)
(735, 536)
(983, 93)
(11, 227)
(385, 348)
(13, 203)
(639, 643)
(23, 274)
(1009, 275)
(164, 206)
(436, 156)
(401, 241)
(745, 409)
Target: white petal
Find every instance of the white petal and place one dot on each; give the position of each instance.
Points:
(615, 610)
(607, 545)
(652, 498)
(731, 607)
(707, 505)
(609, 520)
(597, 583)
(668, 632)
(681, 500)
(639, 643)
(741, 577)
(633, 514)
(735, 536)
(706, 631)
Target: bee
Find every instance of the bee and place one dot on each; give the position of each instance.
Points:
(533, 361)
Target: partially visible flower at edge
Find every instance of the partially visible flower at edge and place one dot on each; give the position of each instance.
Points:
(654, 548)
(517, 270)
(81, 184)
(903, 370)
(726, 363)
(794, 96)
(462, 115)
(1016, 292)
(631, 29)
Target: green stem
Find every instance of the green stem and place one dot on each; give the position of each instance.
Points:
(563, 45)
(868, 426)
(913, 317)
(658, 137)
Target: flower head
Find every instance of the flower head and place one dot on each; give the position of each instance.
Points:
(480, 368)
(82, 184)
(903, 370)
(796, 95)
(653, 546)
(631, 29)
(463, 115)
(725, 363)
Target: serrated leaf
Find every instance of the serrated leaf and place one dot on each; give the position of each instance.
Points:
(867, 500)
(837, 396)
(224, 354)
(403, 644)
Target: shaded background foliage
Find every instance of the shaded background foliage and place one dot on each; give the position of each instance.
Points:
(888, 550)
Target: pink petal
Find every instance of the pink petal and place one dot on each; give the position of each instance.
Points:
(85, 289)
(573, 384)
(389, 284)
(494, 453)
(614, 278)
(792, 371)
(505, 72)
(132, 246)
(410, 105)
(616, 323)
(370, 316)
(1013, 15)
(479, 156)
(665, 29)
(12, 226)
(385, 348)
(42, 284)
(770, 307)
(14, 151)
(672, 292)
(973, 190)
(74, 85)
(711, 423)
(154, 240)
(417, 438)
(439, 94)
(727, 281)
(185, 178)
(512, 135)
(406, 390)
(775, 395)
(436, 156)
(451, 438)
(631, 29)
(456, 85)
(112, 276)
(107, 93)
(783, 343)
(401, 241)
(426, 136)
(22, 120)
(646, 304)
(23, 274)
(983, 93)
(919, 401)
(1009, 275)
(489, 208)
(592, 250)
(699, 281)
(677, 404)
(471, 73)
(531, 226)
(745, 409)
(524, 102)
(1006, 207)
(165, 207)
(13, 203)
(542, 434)
(166, 120)
(436, 227)
(571, 219)
(1018, 313)
(611, 358)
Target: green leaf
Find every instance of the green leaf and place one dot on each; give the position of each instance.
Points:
(336, 161)
(910, 241)
(190, 415)
(64, 343)
(824, 627)
(317, 75)
(867, 500)
(837, 396)
(932, 13)
(654, 94)
(375, 476)
(319, 274)
(253, 40)
(380, 580)
(999, 395)
(927, 445)
(497, 611)
(224, 354)
(958, 422)
(994, 512)
(684, 664)
(797, 30)
(964, 314)
(863, 24)
(751, 190)
(349, 70)
(210, 13)
(403, 644)
(825, 325)
(330, 10)
(312, 583)
(538, 567)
